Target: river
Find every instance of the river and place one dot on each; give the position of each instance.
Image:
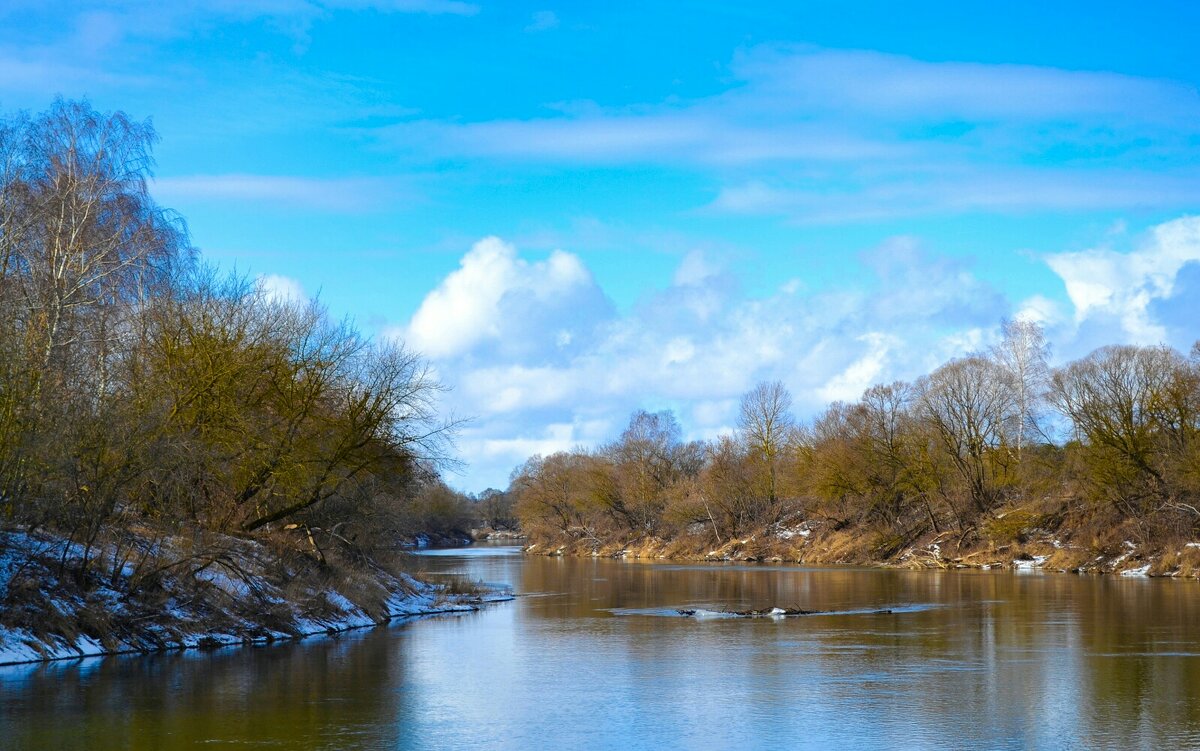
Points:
(592, 654)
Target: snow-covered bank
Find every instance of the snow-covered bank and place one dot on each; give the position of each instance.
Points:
(236, 592)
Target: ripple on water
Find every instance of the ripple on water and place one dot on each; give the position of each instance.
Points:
(711, 613)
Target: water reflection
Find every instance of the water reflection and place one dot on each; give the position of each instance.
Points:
(587, 659)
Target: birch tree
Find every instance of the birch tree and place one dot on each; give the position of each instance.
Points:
(1023, 353)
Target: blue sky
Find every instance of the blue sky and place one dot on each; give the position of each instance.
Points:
(579, 210)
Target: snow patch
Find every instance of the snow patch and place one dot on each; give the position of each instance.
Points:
(788, 533)
(185, 620)
(1028, 565)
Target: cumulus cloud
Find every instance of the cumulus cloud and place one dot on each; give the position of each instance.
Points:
(1120, 296)
(513, 306)
(861, 374)
(698, 343)
(695, 270)
(494, 328)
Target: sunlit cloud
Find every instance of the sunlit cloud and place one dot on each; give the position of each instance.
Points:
(1114, 293)
(282, 289)
(908, 310)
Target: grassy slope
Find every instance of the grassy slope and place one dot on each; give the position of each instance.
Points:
(1026, 540)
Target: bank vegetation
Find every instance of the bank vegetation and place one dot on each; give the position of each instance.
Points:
(991, 459)
(158, 416)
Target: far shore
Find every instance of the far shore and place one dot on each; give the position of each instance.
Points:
(803, 542)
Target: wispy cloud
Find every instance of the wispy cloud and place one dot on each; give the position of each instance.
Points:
(895, 86)
(97, 43)
(841, 135)
(342, 195)
(961, 190)
(799, 103)
(687, 136)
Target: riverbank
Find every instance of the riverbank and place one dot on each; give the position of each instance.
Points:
(194, 593)
(798, 540)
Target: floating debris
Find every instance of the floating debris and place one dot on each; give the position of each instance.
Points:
(770, 612)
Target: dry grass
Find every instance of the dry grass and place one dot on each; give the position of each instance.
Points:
(1084, 539)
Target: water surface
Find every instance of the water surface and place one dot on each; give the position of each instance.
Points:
(593, 655)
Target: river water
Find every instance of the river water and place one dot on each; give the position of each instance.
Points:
(593, 655)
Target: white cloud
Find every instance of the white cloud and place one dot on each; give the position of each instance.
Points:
(493, 327)
(501, 451)
(692, 135)
(919, 190)
(821, 108)
(1117, 290)
(908, 311)
(837, 136)
(679, 351)
(495, 296)
(1041, 310)
(516, 387)
(697, 344)
(346, 195)
(556, 437)
(282, 288)
(866, 81)
(864, 372)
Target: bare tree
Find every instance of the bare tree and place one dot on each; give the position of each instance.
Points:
(1137, 412)
(969, 403)
(647, 458)
(766, 423)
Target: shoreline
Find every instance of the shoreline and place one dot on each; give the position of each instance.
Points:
(203, 644)
(803, 545)
(238, 592)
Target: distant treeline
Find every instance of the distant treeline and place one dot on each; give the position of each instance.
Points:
(140, 391)
(988, 446)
